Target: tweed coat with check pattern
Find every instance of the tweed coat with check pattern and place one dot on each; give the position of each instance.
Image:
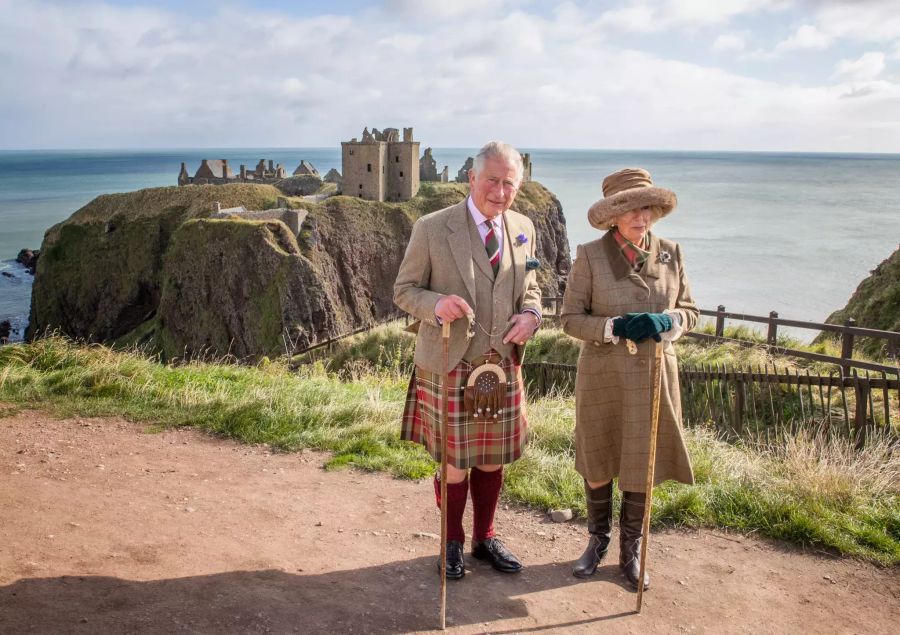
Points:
(613, 389)
(445, 256)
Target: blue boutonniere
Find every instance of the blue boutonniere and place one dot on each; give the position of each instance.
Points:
(532, 263)
(521, 239)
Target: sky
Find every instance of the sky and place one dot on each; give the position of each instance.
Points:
(754, 75)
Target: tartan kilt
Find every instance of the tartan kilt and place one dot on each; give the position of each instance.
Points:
(470, 442)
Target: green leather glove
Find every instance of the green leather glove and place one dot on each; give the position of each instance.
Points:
(644, 325)
(620, 323)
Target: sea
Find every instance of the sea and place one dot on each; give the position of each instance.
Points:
(788, 232)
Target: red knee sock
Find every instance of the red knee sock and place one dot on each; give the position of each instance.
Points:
(457, 493)
(485, 494)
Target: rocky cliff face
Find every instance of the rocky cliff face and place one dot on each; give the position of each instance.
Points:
(151, 267)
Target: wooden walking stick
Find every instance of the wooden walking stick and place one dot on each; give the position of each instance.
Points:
(651, 468)
(445, 410)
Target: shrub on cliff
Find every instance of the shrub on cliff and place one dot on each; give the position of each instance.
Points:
(875, 304)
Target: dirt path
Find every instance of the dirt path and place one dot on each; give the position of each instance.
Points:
(106, 528)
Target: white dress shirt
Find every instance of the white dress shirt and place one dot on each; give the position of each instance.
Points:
(480, 220)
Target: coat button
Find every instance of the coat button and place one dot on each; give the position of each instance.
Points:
(638, 296)
(643, 362)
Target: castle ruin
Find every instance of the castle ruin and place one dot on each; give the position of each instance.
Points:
(293, 218)
(428, 169)
(218, 172)
(381, 167)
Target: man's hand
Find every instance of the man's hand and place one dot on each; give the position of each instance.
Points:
(452, 307)
(523, 327)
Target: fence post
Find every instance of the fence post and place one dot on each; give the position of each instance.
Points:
(737, 411)
(720, 320)
(847, 348)
(861, 390)
(772, 335)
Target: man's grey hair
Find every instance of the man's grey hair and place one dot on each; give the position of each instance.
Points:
(502, 151)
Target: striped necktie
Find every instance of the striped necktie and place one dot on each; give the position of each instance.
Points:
(492, 245)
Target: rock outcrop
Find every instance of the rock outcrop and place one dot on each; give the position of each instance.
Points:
(28, 259)
(876, 305)
(152, 268)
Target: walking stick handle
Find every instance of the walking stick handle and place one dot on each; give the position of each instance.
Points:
(445, 409)
(651, 468)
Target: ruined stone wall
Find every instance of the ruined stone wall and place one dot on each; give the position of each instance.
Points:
(403, 170)
(293, 218)
(363, 168)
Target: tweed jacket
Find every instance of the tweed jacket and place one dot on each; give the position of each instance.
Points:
(445, 256)
(613, 389)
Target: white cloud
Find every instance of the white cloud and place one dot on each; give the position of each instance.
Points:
(79, 75)
(728, 42)
(806, 37)
(655, 15)
(869, 21)
(704, 12)
(867, 67)
(444, 10)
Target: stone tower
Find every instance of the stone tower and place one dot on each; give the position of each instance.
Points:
(381, 167)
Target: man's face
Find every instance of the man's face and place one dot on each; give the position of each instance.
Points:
(493, 189)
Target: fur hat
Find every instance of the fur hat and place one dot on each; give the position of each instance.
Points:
(626, 190)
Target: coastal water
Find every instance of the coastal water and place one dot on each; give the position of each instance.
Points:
(793, 233)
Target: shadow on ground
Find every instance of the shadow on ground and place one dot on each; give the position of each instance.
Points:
(398, 597)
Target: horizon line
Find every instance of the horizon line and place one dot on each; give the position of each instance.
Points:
(523, 147)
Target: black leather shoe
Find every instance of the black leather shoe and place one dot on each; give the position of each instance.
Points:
(495, 552)
(456, 565)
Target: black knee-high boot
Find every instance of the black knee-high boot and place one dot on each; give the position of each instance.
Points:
(631, 523)
(599, 517)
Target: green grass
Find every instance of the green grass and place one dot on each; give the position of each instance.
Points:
(813, 491)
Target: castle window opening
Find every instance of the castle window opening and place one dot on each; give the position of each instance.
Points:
(369, 167)
(351, 150)
(401, 175)
(360, 186)
(397, 159)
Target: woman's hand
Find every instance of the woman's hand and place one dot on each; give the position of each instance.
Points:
(644, 325)
(620, 324)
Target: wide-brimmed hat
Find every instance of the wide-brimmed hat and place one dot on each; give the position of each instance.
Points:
(626, 190)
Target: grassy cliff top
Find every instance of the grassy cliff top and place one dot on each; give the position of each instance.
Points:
(190, 201)
(198, 201)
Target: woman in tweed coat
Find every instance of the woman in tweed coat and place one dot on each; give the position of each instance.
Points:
(626, 291)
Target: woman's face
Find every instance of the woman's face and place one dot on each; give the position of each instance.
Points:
(635, 224)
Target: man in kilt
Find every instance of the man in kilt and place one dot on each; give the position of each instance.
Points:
(475, 261)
